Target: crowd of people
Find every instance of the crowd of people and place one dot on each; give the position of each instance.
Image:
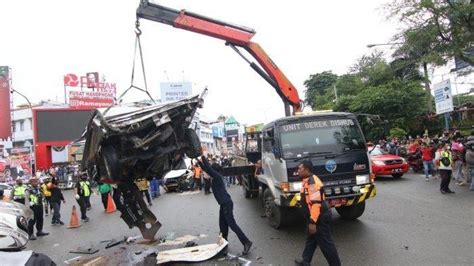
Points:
(445, 156)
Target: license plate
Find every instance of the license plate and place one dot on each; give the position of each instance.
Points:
(396, 170)
(335, 202)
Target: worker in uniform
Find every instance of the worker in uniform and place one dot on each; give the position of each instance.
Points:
(19, 191)
(87, 199)
(226, 215)
(36, 205)
(143, 185)
(318, 216)
(83, 190)
(46, 195)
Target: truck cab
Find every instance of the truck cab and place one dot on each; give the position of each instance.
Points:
(336, 146)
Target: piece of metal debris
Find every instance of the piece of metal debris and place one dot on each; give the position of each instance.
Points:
(82, 250)
(192, 254)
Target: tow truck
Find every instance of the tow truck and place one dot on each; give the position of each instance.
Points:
(332, 141)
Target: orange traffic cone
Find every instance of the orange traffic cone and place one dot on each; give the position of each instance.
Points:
(110, 205)
(74, 223)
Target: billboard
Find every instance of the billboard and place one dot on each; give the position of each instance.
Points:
(5, 116)
(443, 97)
(90, 99)
(91, 80)
(14, 163)
(175, 91)
(59, 125)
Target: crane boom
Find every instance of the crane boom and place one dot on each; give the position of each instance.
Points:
(235, 36)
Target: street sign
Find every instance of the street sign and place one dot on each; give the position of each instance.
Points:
(443, 97)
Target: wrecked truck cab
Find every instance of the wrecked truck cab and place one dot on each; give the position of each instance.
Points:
(14, 218)
(125, 143)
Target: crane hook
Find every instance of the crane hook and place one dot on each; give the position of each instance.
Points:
(138, 31)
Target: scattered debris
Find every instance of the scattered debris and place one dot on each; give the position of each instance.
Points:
(242, 261)
(192, 254)
(114, 242)
(190, 244)
(406, 247)
(82, 250)
(259, 258)
(132, 239)
(138, 252)
(94, 261)
(56, 245)
(71, 260)
(178, 241)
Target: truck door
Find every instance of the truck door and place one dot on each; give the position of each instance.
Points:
(273, 165)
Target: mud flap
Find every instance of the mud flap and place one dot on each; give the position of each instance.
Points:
(134, 211)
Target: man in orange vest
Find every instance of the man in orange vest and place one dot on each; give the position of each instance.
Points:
(319, 217)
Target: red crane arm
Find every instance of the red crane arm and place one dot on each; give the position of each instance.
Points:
(235, 36)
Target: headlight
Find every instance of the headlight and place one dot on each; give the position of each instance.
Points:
(362, 179)
(378, 162)
(296, 186)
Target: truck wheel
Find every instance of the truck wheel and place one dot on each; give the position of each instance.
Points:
(247, 192)
(397, 176)
(351, 212)
(194, 144)
(275, 214)
(111, 162)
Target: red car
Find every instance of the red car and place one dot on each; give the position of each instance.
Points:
(384, 164)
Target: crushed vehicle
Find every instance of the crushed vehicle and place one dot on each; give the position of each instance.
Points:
(14, 218)
(125, 143)
(180, 178)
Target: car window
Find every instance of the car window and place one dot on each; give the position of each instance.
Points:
(376, 151)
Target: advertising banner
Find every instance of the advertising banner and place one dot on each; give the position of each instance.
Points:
(15, 163)
(175, 91)
(443, 97)
(90, 99)
(5, 112)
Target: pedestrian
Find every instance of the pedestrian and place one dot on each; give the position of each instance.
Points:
(470, 159)
(457, 149)
(19, 191)
(226, 215)
(159, 183)
(318, 216)
(445, 160)
(197, 172)
(55, 201)
(87, 199)
(427, 156)
(82, 192)
(47, 196)
(143, 186)
(104, 190)
(36, 205)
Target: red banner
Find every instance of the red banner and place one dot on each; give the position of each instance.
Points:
(5, 116)
(90, 99)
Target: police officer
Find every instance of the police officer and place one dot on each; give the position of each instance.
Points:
(319, 217)
(83, 190)
(36, 205)
(19, 191)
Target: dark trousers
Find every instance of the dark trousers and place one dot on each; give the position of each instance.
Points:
(323, 239)
(22, 201)
(147, 195)
(197, 183)
(105, 197)
(83, 207)
(37, 219)
(226, 220)
(207, 185)
(87, 200)
(445, 179)
(47, 205)
(56, 211)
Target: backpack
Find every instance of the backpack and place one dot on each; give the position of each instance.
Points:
(445, 161)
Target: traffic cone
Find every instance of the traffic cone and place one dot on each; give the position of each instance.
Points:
(74, 223)
(110, 205)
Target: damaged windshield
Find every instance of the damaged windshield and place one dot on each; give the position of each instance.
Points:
(329, 136)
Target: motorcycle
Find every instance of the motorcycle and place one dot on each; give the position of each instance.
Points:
(415, 161)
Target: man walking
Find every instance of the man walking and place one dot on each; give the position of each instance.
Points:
(143, 186)
(19, 191)
(445, 160)
(318, 216)
(83, 191)
(36, 205)
(55, 201)
(226, 215)
(427, 156)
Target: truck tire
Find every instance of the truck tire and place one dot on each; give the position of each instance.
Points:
(275, 214)
(247, 192)
(351, 212)
(111, 162)
(194, 148)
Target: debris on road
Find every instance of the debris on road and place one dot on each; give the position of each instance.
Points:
(85, 250)
(192, 254)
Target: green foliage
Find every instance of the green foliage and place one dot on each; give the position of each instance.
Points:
(460, 100)
(316, 86)
(434, 30)
(397, 132)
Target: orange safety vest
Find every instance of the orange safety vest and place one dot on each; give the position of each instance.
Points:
(314, 196)
(197, 172)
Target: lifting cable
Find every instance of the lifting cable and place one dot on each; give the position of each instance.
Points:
(138, 46)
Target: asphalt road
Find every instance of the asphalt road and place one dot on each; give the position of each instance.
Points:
(408, 223)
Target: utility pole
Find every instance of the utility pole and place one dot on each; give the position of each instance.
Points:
(427, 86)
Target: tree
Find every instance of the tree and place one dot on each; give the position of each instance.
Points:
(373, 69)
(435, 30)
(317, 85)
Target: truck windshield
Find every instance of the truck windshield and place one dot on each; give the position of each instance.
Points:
(320, 136)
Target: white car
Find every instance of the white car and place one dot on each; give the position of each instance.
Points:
(7, 189)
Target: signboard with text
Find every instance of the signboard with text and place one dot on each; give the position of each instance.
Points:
(90, 99)
(443, 97)
(175, 91)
